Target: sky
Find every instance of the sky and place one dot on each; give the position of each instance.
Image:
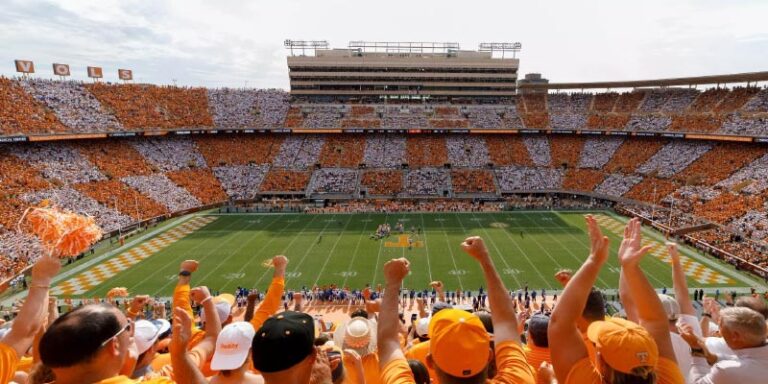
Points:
(228, 43)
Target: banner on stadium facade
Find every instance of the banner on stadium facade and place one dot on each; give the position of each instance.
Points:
(61, 69)
(25, 66)
(95, 72)
(125, 74)
(12, 139)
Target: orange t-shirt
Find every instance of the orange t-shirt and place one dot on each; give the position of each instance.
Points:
(583, 372)
(536, 355)
(419, 352)
(8, 362)
(510, 364)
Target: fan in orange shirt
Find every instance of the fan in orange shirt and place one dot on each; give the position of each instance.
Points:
(460, 347)
(625, 351)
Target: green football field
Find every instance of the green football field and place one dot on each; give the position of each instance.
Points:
(527, 247)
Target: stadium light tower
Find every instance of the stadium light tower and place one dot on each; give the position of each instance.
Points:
(501, 47)
(304, 45)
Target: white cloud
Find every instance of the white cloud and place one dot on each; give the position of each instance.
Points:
(228, 42)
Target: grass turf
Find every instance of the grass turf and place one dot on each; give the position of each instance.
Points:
(527, 248)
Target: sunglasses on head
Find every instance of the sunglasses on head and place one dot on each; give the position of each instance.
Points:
(127, 328)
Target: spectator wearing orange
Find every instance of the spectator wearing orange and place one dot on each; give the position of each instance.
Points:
(460, 347)
(626, 351)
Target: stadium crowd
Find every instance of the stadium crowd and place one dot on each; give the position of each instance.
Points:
(38, 106)
(123, 181)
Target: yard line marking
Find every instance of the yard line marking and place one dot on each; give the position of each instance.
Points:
(289, 223)
(357, 247)
(235, 252)
(579, 261)
(450, 250)
(100, 273)
(543, 279)
(496, 247)
(201, 258)
(330, 254)
(328, 222)
(378, 255)
(426, 246)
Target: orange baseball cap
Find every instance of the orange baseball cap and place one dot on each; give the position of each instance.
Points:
(623, 345)
(459, 344)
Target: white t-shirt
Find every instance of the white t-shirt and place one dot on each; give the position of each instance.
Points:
(682, 354)
(718, 346)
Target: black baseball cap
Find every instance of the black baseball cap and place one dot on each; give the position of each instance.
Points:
(283, 341)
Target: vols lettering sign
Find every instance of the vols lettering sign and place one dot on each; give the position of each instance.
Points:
(61, 69)
(95, 72)
(25, 66)
(125, 74)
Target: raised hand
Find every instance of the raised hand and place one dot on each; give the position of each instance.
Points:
(599, 244)
(279, 261)
(189, 265)
(563, 276)
(545, 374)
(475, 247)
(137, 304)
(686, 332)
(44, 270)
(182, 330)
(321, 369)
(437, 285)
(395, 270)
(198, 294)
(372, 306)
(631, 250)
(673, 253)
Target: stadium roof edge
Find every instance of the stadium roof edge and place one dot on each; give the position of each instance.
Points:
(715, 79)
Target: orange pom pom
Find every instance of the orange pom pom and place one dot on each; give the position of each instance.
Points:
(64, 234)
(117, 292)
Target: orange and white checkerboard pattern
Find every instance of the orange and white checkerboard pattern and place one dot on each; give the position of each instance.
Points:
(693, 268)
(91, 278)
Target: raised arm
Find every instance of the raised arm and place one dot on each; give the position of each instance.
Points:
(32, 313)
(185, 370)
(135, 309)
(565, 342)
(395, 271)
(202, 296)
(625, 297)
(272, 299)
(251, 305)
(649, 308)
(502, 308)
(181, 297)
(201, 352)
(679, 283)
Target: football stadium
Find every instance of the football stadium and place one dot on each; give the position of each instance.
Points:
(404, 212)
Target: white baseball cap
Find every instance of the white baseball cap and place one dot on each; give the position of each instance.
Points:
(422, 326)
(223, 309)
(145, 335)
(232, 346)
